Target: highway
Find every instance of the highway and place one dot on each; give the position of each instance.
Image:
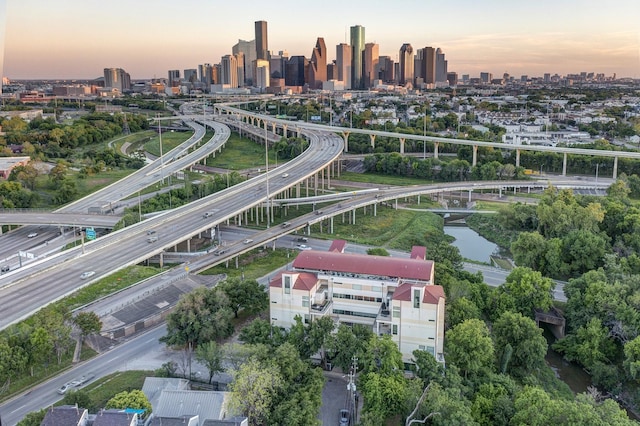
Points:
(25, 290)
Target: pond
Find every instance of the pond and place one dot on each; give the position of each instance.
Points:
(472, 246)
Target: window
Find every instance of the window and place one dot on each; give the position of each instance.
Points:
(305, 301)
(356, 287)
(395, 329)
(421, 347)
(396, 311)
(287, 284)
(306, 318)
(431, 350)
(416, 297)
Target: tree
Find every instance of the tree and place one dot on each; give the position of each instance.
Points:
(632, 358)
(319, 335)
(202, 315)
(262, 331)
(528, 290)
(210, 354)
(459, 310)
(135, 399)
(79, 397)
(88, 323)
(252, 390)
(526, 340)
(378, 251)
(348, 342)
(245, 294)
(447, 406)
(382, 355)
(470, 348)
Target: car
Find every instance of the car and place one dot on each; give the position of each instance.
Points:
(32, 235)
(247, 241)
(285, 224)
(303, 247)
(4, 268)
(87, 274)
(151, 232)
(207, 214)
(152, 239)
(303, 239)
(219, 252)
(345, 417)
(318, 212)
(64, 388)
(85, 379)
(285, 175)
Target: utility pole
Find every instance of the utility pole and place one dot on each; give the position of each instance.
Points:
(351, 387)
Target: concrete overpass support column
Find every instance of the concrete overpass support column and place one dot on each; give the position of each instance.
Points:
(320, 223)
(306, 182)
(237, 261)
(375, 210)
(373, 141)
(395, 207)
(315, 184)
(161, 259)
(564, 164)
(500, 193)
(353, 216)
(517, 158)
(615, 167)
(189, 245)
(418, 199)
(469, 197)
(474, 161)
(284, 130)
(331, 225)
(435, 149)
(345, 136)
(329, 175)
(402, 145)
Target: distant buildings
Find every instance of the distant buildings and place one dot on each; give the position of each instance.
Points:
(318, 65)
(117, 79)
(262, 46)
(406, 65)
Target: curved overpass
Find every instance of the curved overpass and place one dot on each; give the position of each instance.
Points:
(27, 289)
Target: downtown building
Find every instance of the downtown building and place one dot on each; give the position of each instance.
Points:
(357, 52)
(344, 64)
(406, 62)
(117, 79)
(393, 296)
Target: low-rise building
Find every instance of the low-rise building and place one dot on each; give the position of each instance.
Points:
(392, 295)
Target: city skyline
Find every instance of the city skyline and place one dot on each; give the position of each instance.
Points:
(77, 39)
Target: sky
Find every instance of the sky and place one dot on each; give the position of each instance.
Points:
(77, 39)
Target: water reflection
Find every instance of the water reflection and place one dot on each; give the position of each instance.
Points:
(471, 245)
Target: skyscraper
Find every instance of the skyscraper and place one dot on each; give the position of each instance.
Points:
(248, 48)
(406, 64)
(241, 67)
(357, 49)
(262, 46)
(370, 65)
(386, 72)
(174, 78)
(429, 65)
(343, 61)
(295, 71)
(262, 74)
(229, 71)
(441, 66)
(318, 65)
(191, 75)
(117, 78)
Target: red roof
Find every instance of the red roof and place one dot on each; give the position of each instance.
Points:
(305, 280)
(432, 293)
(383, 266)
(338, 245)
(418, 252)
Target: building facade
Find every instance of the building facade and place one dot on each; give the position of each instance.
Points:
(318, 65)
(393, 296)
(117, 79)
(406, 65)
(262, 45)
(344, 63)
(248, 48)
(370, 65)
(357, 50)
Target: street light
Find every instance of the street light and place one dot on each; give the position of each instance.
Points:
(266, 160)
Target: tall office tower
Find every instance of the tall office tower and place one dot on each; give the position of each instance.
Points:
(277, 64)
(357, 49)
(370, 64)
(406, 64)
(452, 78)
(117, 78)
(248, 48)
(486, 77)
(191, 75)
(262, 74)
(441, 66)
(174, 77)
(262, 46)
(343, 61)
(216, 72)
(318, 65)
(295, 71)
(206, 74)
(229, 71)
(429, 65)
(547, 77)
(241, 67)
(386, 69)
(332, 71)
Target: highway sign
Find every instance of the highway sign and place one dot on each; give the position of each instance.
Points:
(90, 234)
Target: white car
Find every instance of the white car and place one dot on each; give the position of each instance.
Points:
(303, 247)
(87, 274)
(32, 235)
(247, 241)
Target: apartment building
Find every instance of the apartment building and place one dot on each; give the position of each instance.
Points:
(392, 295)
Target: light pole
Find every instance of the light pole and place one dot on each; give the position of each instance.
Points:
(161, 158)
(266, 161)
(597, 166)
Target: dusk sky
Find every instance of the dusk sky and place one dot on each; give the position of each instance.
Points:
(67, 39)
